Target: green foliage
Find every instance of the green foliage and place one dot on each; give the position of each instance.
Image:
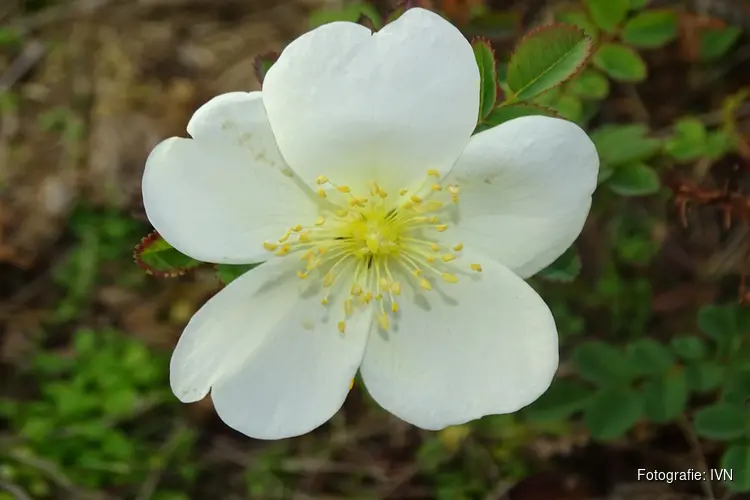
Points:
(724, 323)
(485, 57)
(666, 396)
(715, 42)
(737, 459)
(161, 259)
(564, 398)
(564, 269)
(612, 412)
(228, 273)
(544, 59)
(589, 84)
(503, 114)
(620, 62)
(651, 29)
(602, 364)
(634, 179)
(608, 14)
(624, 144)
(689, 140)
(351, 11)
(722, 421)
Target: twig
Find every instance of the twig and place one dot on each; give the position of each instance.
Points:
(167, 449)
(15, 490)
(30, 55)
(700, 457)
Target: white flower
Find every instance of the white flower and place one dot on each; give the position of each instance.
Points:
(396, 243)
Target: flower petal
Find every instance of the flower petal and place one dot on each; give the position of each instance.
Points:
(485, 345)
(277, 365)
(215, 202)
(387, 106)
(526, 190)
(238, 118)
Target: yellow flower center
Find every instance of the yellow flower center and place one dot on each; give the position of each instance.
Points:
(358, 245)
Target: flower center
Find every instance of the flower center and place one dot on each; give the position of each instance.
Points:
(360, 245)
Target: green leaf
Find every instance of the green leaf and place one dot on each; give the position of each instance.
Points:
(589, 84)
(561, 400)
(228, 272)
(262, 63)
(719, 144)
(651, 29)
(689, 348)
(602, 364)
(723, 322)
(635, 179)
(736, 459)
(623, 144)
(620, 62)
(638, 4)
(569, 107)
(704, 376)
(608, 14)
(721, 421)
(737, 388)
(580, 19)
(159, 258)
(545, 58)
(612, 412)
(689, 140)
(715, 42)
(485, 57)
(503, 114)
(649, 357)
(352, 12)
(564, 269)
(666, 397)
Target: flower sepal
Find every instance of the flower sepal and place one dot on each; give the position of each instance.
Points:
(160, 259)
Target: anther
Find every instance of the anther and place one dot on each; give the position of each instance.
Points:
(304, 237)
(324, 302)
(342, 326)
(436, 187)
(396, 288)
(297, 228)
(434, 247)
(394, 307)
(448, 257)
(348, 307)
(343, 189)
(458, 247)
(476, 267)
(320, 180)
(270, 246)
(322, 193)
(320, 220)
(328, 279)
(402, 192)
(433, 173)
(430, 259)
(441, 227)
(449, 278)
(356, 290)
(425, 284)
(383, 321)
(415, 198)
(302, 275)
(286, 236)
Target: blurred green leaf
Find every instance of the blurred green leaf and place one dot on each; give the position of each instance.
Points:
(545, 58)
(651, 29)
(351, 12)
(719, 144)
(503, 114)
(704, 376)
(563, 398)
(159, 258)
(229, 272)
(635, 179)
(569, 107)
(262, 63)
(649, 357)
(736, 460)
(565, 269)
(722, 322)
(622, 144)
(602, 364)
(612, 412)
(620, 62)
(638, 4)
(689, 140)
(485, 57)
(580, 19)
(666, 397)
(608, 14)
(721, 421)
(737, 387)
(589, 84)
(689, 348)
(715, 42)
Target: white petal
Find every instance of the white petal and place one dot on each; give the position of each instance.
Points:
(485, 345)
(277, 365)
(214, 202)
(526, 190)
(387, 106)
(238, 118)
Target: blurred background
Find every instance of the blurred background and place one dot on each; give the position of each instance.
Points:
(655, 371)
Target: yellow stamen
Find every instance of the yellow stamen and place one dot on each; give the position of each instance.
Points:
(270, 246)
(449, 278)
(342, 326)
(448, 257)
(458, 247)
(321, 179)
(476, 267)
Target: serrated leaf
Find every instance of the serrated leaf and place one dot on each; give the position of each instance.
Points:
(229, 272)
(721, 421)
(665, 397)
(620, 62)
(159, 258)
(635, 179)
(545, 58)
(262, 63)
(723, 322)
(562, 399)
(612, 412)
(602, 364)
(649, 357)
(689, 348)
(485, 57)
(651, 29)
(351, 12)
(737, 387)
(564, 269)
(689, 140)
(580, 19)
(503, 114)
(715, 42)
(608, 14)
(704, 376)
(622, 144)
(569, 107)
(589, 84)
(736, 460)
